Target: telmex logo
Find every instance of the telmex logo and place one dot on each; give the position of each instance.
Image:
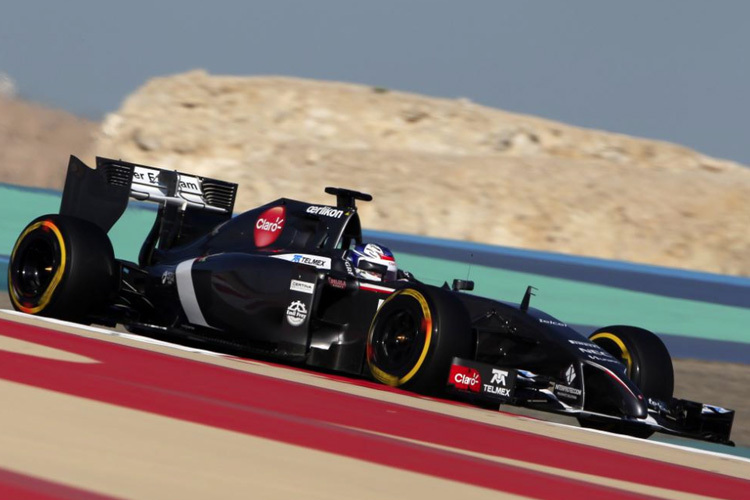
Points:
(269, 225)
(498, 377)
(310, 260)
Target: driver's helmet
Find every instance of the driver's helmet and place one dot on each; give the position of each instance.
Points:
(377, 254)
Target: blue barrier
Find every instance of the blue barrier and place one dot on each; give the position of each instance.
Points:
(603, 281)
(684, 284)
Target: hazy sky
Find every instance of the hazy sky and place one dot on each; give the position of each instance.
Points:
(677, 70)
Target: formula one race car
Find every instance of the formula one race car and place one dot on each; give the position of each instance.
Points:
(293, 281)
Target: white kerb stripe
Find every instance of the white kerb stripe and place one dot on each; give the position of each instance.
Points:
(186, 292)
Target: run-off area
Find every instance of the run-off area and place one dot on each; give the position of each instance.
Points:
(112, 416)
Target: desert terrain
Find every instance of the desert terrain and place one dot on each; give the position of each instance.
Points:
(439, 167)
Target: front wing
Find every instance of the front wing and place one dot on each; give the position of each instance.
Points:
(486, 384)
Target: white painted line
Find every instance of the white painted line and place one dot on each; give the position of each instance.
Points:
(506, 409)
(112, 333)
(640, 440)
(186, 292)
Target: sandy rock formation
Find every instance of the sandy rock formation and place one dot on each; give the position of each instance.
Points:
(35, 142)
(444, 168)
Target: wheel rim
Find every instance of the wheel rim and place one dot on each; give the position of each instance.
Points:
(396, 342)
(617, 348)
(400, 338)
(36, 269)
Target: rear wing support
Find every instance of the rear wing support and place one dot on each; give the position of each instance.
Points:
(189, 206)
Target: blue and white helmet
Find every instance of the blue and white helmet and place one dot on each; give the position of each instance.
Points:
(376, 254)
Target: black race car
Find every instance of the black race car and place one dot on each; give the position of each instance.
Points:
(277, 281)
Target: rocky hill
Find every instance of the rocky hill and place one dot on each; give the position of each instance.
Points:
(35, 142)
(445, 168)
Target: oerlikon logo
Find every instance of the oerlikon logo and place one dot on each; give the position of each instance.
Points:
(268, 226)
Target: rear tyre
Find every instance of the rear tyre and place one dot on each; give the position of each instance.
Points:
(648, 363)
(414, 336)
(61, 267)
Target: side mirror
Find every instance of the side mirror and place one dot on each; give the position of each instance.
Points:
(459, 285)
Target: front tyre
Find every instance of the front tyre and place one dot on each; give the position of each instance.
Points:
(61, 267)
(645, 356)
(414, 336)
(648, 364)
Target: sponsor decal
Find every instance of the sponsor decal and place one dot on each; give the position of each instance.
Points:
(498, 391)
(570, 374)
(185, 183)
(566, 392)
(498, 384)
(296, 313)
(309, 260)
(326, 211)
(188, 186)
(336, 283)
(301, 286)
(551, 322)
(660, 405)
(593, 351)
(269, 225)
(601, 359)
(501, 383)
(168, 278)
(490, 382)
(498, 377)
(465, 378)
(349, 268)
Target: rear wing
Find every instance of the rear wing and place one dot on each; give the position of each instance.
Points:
(189, 205)
(181, 190)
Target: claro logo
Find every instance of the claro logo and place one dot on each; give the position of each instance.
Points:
(465, 378)
(269, 225)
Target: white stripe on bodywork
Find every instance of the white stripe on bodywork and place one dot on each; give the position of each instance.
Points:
(375, 288)
(186, 292)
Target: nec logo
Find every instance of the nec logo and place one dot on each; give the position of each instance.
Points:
(465, 378)
(498, 377)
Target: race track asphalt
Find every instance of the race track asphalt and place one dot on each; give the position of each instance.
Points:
(91, 413)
